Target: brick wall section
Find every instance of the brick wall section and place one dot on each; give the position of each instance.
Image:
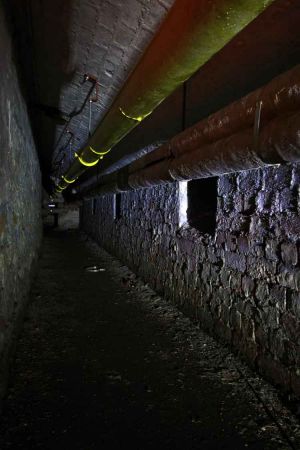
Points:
(108, 39)
(243, 283)
(20, 229)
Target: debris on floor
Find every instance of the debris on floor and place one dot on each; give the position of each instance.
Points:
(104, 362)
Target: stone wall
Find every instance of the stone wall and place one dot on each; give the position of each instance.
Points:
(242, 282)
(20, 193)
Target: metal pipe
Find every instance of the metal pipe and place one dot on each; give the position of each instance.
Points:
(281, 95)
(77, 112)
(93, 181)
(260, 129)
(192, 33)
(279, 142)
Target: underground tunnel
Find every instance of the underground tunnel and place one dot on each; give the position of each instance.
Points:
(149, 224)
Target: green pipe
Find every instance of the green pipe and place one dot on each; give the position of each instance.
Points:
(192, 33)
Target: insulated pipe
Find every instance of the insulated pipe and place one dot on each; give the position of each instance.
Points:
(192, 33)
(280, 97)
(279, 142)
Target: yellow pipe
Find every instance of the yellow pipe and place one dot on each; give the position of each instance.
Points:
(192, 33)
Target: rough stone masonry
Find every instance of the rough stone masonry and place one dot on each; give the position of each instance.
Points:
(241, 282)
(20, 200)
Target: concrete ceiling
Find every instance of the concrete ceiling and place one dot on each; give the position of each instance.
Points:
(61, 40)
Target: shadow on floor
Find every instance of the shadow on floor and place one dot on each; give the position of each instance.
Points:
(103, 362)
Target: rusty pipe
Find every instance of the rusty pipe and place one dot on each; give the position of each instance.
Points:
(278, 142)
(280, 96)
(192, 33)
(226, 133)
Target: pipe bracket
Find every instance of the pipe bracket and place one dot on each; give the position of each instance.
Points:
(138, 119)
(68, 181)
(101, 154)
(85, 163)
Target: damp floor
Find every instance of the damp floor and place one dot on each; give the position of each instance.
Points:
(104, 363)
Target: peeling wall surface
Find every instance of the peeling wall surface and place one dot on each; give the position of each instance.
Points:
(20, 199)
(241, 282)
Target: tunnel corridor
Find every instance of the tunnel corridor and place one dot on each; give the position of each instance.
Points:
(149, 224)
(104, 362)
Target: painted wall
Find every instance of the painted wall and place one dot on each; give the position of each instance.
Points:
(20, 200)
(241, 283)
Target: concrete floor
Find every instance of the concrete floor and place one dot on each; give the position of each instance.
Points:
(103, 362)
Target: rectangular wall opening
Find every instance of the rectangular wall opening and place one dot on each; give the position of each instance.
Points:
(117, 206)
(94, 206)
(202, 197)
